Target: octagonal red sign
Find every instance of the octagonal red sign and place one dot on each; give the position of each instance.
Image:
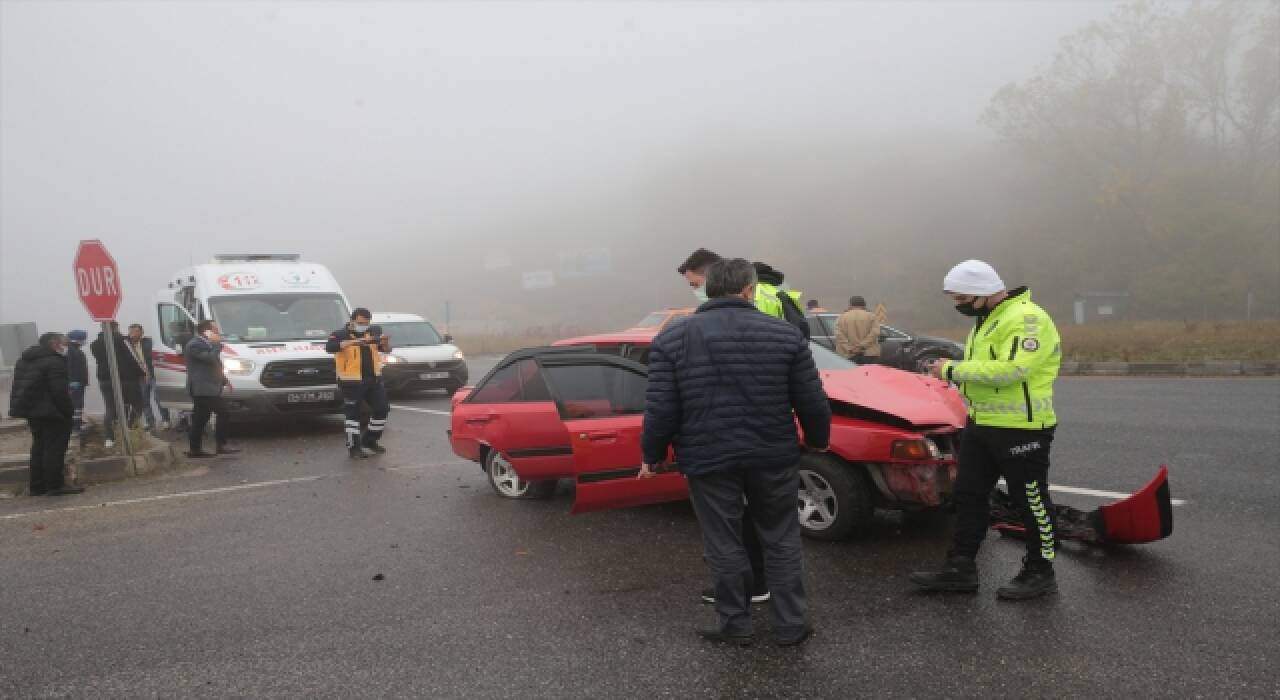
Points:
(97, 280)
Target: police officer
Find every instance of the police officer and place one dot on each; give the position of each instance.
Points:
(1011, 362)
(357, 351)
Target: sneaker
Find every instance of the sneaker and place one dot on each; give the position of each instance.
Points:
(65, 491)
(957, 574)
(357, 453)
(1036, 579)
(165, 425)
(714, 634)
(376, 449)
(709, 597)
(108, 444)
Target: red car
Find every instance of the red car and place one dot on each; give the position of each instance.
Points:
(575, 412)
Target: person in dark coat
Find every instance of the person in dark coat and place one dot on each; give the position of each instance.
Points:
(725, 388)
(130, 382)
(41, 394)
(206, 381)
(77, 379)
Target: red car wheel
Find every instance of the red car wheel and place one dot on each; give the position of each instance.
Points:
(834, 500)
(508, 484)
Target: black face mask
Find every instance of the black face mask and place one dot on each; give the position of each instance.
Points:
(968, 309)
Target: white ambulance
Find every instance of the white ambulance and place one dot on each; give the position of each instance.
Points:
(275, 312)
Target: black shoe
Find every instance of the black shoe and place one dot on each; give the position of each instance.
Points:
(65, 491)
(713, 634)
(357, 453)
(1035, 579)
(957, 574)
(228, 450)
(709, 597)
(795, 641)
(200, 455)
(376, 448)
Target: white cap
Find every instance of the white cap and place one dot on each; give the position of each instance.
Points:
(973, 277)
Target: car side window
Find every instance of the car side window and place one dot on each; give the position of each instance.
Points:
(520, 382)
(597, 391)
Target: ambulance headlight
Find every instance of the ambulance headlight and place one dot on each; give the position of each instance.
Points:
(459, 356)
(236, 365)
(392, 359)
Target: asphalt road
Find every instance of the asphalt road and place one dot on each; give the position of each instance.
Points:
(253, 576)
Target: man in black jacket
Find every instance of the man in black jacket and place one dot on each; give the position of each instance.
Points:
(723, 385)
(130, 382)
(41, 395)
(205, 382)
(77, 379)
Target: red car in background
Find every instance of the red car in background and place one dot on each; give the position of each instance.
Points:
(575, 412)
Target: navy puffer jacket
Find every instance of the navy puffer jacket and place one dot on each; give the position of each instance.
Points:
(722, 387)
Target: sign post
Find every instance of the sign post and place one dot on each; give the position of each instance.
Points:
(98, 285)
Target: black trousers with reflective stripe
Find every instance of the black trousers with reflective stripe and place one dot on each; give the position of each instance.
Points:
(374, 393)
(1022, 458)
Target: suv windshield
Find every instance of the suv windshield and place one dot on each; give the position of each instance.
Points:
(253, 318)
(410, 334)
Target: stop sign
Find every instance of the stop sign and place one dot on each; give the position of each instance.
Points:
(97, 281)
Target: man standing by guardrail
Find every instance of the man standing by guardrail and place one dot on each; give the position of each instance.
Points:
(41, 395)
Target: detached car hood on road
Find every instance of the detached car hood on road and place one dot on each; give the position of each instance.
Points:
(917, 400)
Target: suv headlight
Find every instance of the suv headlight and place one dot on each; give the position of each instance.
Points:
(236, 365)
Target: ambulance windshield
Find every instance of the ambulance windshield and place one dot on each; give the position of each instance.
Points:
(257, 318)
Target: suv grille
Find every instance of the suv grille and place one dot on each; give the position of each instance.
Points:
(288, 373)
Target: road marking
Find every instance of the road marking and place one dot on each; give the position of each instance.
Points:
(398, 407)
(165, 497)
(1099, 494)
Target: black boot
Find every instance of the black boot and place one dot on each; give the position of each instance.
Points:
(1035, 579)
(357, 452)
(375, 448)
(958, 574)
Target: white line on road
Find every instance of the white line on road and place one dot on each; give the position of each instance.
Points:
(165, 497)
(1100, 494)
(398, 407)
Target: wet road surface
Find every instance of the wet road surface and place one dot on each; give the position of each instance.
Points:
(254, 576)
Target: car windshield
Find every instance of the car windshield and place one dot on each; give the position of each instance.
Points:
(409, 334)
(825, 359)
(252, 318)
(653, 320)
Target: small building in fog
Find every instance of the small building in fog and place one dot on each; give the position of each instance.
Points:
(1100, 306)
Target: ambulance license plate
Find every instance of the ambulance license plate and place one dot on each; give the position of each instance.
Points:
(310, 396)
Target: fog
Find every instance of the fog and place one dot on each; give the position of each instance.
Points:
(438, 151)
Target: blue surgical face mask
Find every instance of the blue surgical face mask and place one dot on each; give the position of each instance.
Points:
(701, 294)
(361, 329)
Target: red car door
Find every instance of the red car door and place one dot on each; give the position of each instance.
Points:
(513, 412)
(601, 399)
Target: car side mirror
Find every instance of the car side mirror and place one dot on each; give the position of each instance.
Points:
(448, 338)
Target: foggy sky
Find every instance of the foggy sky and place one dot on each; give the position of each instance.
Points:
(363, 133)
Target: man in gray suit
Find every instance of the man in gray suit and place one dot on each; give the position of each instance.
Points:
(205, 382)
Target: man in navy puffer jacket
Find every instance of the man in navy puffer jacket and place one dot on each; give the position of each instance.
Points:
(723, 385)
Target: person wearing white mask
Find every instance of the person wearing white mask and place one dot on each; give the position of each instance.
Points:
(357, 351)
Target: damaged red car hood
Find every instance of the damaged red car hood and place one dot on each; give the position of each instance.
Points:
(912, 398)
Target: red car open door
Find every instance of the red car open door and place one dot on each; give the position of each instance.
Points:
(601, 400)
